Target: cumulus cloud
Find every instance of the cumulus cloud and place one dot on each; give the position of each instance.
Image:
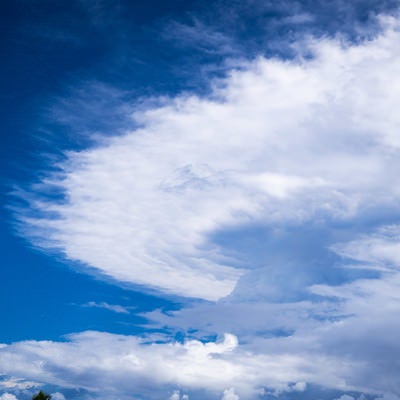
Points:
(177, 396)
(229, 394)
(57, 396)
(347, 342)
(92, 357)
(127, 365)
(8, 396)
(333, 355)
(346, 338)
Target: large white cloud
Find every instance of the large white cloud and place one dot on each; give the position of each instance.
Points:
(7, 396)
(352, 346)
(276, 141)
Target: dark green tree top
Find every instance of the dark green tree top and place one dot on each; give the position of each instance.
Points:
(41, 396)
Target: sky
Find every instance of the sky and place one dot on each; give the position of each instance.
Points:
(200, 200)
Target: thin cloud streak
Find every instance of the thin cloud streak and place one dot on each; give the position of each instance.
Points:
(106, 306)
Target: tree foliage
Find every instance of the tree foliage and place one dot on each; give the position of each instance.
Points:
(41, 396)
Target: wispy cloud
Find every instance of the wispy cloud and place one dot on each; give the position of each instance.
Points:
(379, 249)
(111, 307)
(13, 383)
(278, 142)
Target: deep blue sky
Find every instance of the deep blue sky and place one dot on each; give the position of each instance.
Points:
(72, 75)
(48, 47)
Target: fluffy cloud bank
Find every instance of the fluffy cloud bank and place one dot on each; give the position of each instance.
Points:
(125, 366)
(345, 340)
(348, 344)
(275, 142)
(7, 396)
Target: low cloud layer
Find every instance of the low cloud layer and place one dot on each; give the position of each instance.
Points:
(123, 366)
(344, 339)
(346, 343)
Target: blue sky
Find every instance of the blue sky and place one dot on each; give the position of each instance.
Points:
(200, 200)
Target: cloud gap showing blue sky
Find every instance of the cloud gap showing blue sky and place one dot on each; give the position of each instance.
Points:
(212, 218)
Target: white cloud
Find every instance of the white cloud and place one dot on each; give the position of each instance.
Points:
(111, 307)
(346, 339)
(57, 396)
(229, 394)
(13, 383)
(8, 396)
(341, 343)
(381, 249)
(125, 365)
(175, 396)
(345, 397)
(299, 386)
(277, 141)
(123, 362)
